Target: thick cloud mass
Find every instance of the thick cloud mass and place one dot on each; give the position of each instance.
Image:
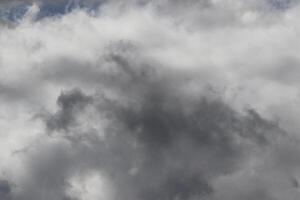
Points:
(149, 100)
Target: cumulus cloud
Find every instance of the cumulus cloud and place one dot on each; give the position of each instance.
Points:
(143, 100)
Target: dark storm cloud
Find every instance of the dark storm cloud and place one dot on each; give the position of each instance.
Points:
(141, 124)
(69, 103)
(47, 175)
(5, 190)
(281, 4)
(157, 143)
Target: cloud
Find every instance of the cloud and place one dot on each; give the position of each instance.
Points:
(151, 100)
(69, 103)
(156, 142)
(5, 189)
(155, 148)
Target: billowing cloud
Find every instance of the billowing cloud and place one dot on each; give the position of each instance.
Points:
(143, 100)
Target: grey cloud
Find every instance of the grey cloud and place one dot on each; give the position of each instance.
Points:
(140, 124)
(286, 70)
(47, 174)
(150, 137)
(69, 103)
(157, 144)
(5, 190)
(281, 4)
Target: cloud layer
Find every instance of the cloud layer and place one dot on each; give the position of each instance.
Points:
(144, 100)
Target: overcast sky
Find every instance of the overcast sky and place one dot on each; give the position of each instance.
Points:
(149, 100)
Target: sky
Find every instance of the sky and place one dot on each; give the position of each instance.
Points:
(149, 100)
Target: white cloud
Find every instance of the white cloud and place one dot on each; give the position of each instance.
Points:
(246, 50)
(90, 186)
